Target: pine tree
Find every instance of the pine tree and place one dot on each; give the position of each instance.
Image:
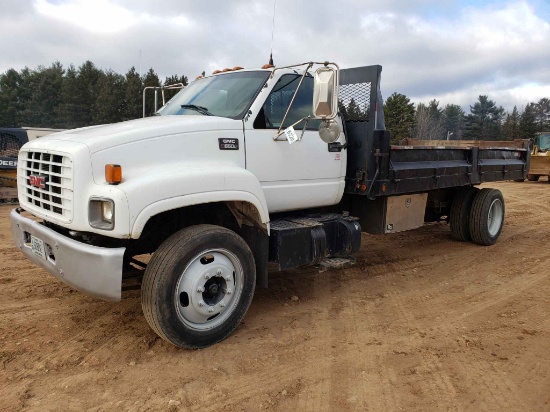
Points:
(70, 111)
(9, 99)
(42, 108)
(88, 76)
(484, 122)
(527, 123)
(108, 107)
(132, 96)
(151, 79)
(542, 115)
(454, 121)
(399, 116)
(510, 127)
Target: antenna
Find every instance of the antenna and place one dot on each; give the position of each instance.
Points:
(272, 31)
(140, 64)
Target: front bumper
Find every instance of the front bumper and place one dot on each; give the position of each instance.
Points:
(93, 270)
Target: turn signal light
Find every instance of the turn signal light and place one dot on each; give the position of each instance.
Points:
(113, 174)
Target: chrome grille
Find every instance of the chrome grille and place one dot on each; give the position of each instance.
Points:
(45, 182)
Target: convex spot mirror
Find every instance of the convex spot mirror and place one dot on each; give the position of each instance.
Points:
(325, 94)
(329, 131)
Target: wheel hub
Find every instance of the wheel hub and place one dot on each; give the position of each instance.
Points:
(205, 290)
(495, 217)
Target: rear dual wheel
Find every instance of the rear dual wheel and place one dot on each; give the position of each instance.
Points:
(487, 216)
(477, 215)
(460, 213)
(198, 286)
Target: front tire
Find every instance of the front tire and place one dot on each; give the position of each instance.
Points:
(198, 286)
(487, 216)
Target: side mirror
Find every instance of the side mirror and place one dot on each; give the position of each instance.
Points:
(325, 93)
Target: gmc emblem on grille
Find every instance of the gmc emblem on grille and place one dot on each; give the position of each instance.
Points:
(37, 181)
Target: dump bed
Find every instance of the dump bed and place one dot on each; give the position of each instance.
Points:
(376, 168)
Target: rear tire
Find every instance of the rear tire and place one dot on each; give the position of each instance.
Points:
(533, 178)
(487, 216)
(459, 216)
(198, 286)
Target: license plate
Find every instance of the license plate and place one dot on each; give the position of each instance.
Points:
(37, 246)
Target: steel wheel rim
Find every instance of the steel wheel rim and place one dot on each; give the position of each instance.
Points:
(209, 289)
(495, 217)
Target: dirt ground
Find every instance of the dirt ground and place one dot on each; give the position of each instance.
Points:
(422, 322)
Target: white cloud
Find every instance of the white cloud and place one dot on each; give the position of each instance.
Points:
(98, 16)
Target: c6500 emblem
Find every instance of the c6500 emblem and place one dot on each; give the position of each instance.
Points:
(228, 144)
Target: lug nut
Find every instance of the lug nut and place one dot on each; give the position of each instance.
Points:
(222, 304)
(207, 276)
(228, 278)
(210, 309)
(229, 291)
(219, 272)
(201, 303)
(200, 289)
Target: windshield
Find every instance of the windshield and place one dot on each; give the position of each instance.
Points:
(227, 95)
(543, 141)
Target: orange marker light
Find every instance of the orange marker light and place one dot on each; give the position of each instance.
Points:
(113, 174)
(237, 68)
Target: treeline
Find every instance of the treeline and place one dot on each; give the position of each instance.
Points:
(486, 120)
(75, 97)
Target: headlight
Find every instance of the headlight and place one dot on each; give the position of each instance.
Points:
(107, 209)
(101, 213)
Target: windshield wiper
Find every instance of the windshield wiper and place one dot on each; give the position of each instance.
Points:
(200, 109)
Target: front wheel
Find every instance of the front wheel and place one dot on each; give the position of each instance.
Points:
(487, 216)
(198, 286)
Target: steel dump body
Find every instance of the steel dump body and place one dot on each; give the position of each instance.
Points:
(377, 168)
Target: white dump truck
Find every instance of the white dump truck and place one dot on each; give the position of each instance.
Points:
(241, 168)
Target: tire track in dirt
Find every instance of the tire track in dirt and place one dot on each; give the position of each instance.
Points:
(502, 390)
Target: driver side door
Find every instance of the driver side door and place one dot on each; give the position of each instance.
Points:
(294, 176)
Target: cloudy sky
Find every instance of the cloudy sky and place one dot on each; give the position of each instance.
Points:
(449, 50)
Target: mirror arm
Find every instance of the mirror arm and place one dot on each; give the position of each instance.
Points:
(292, 101)
(280, 132)
(305, 125)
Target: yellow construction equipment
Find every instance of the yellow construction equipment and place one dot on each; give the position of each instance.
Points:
(11, 140)
(540, 158)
